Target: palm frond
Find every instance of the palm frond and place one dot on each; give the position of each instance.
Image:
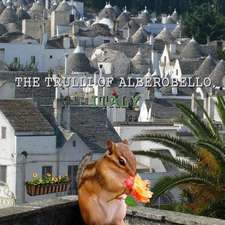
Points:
(195, 124)
(215, 149)
(167, 183)
(185, 148)
(213, 129)
(215, 209)
(220, 105)
(182, 164)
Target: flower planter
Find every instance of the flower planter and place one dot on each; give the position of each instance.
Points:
(44, 189)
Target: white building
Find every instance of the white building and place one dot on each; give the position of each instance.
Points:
(27, 144)
(47, 55)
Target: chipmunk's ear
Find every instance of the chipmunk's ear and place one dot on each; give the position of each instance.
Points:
(125, 141)
(110, 146)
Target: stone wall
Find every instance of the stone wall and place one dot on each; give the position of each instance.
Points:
(65, 211)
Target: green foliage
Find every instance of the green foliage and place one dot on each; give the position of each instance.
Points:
(205, 172)
(16, 66)
(130, 201)
(204, 21)
(48, 179)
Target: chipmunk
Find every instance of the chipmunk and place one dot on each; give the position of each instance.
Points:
(101, 189)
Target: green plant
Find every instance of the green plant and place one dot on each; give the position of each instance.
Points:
(203, 179)
(48, 179)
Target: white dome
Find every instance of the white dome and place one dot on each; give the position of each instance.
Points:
(107, 22)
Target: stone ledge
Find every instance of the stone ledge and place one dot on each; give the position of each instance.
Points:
(65, 211)
(170, 217)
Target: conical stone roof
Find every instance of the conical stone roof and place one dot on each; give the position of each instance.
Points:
(2, 6)
(206, 67)
(139, 36)
(37, 6)
(78, 62)
(177, 31)
(192, 50)
(63, 6)
(144, 16)
(218, 74)
(133, 26)
(139, 65)
(8, 16)
(123, 18)
(165, 36)
(139, 58)
(117, 10)
(22, 14)
(108, 12)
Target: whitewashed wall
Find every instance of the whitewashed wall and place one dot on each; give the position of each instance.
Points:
(7, 153)
(70, 155)
(41, 152)
(42, 56)
(129, 132)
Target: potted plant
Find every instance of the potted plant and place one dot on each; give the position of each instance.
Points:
(47, 184)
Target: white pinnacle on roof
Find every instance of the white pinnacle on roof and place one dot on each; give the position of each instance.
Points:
(148, 74)
(146, 9)
(155, 74)
(108, 5)
(151, 40)
(125, 9)
(78, 49)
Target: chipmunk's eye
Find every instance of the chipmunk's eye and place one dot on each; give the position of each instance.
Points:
(122, 161)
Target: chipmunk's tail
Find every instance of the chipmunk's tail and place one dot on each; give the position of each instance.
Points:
(86, 160)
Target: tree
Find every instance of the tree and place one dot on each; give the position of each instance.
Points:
(203, 179)
(204, 21)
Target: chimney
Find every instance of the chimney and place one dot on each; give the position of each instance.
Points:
(47, 4)
(44, 39)
(66, 42)
(128, 34)
(65, 69)
(151, 40)
(66, 113)
(57, 106)
(174, 91)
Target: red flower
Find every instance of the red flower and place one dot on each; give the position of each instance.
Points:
(114, 93)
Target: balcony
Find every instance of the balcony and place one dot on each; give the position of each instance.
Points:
(65, 211)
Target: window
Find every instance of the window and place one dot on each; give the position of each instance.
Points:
(46, 170)
(3, 172)
(72, 172)
(51, 56)
(16, 60)
(72, 18)
(106, 41)
(74, 143)
(32, 59)
(3, 132)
